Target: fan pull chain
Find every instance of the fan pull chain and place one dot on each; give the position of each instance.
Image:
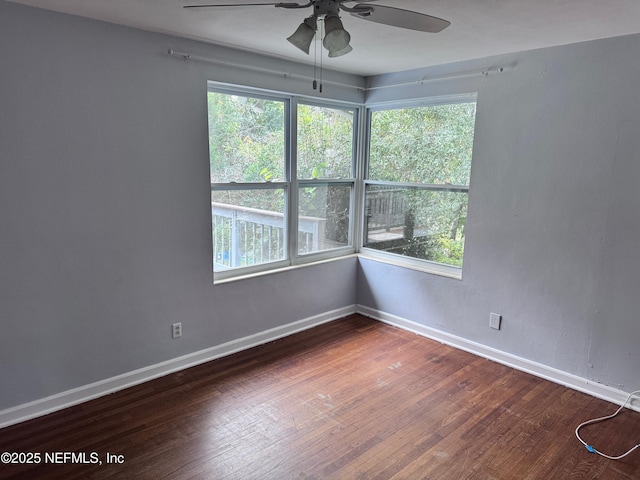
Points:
(315, 62)
(315, 84)
(321, 37)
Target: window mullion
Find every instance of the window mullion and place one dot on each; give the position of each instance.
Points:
(444, 187)
(248, 186)
(292, 151)
(361, 156)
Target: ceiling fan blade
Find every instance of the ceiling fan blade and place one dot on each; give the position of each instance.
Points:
(398, 17)
(225, 3)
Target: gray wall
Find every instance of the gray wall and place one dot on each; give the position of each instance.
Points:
(105, 226)
(104, 207)
(553, 229)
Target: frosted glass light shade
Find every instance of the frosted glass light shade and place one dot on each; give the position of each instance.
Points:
(303, 36)
(336, 38)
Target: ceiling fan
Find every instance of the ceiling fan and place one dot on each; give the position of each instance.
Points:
(336, 38)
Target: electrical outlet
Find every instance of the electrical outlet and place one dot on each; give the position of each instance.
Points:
(495, 320)
(176, 330)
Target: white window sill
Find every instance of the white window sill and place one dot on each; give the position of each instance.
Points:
(287, 268)
(418, 265)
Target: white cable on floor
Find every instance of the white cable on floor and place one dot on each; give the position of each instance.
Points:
(595, 420)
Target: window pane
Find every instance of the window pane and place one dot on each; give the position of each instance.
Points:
(323, 221)
(248, 227)
(246, 138)
(422, 224)
(325, 142)
(430, 144)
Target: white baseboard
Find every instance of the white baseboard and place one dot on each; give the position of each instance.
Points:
(78, 395)
(539, 370)
(82, 394)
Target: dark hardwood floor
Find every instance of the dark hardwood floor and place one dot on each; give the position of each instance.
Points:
(353, 399)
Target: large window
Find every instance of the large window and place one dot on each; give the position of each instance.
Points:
(417, 181)
(278, 166)
(283, 181)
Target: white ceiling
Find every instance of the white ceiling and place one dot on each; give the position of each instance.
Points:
(479, 28)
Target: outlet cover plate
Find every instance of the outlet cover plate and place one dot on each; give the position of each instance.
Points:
(176, 330)
(495, 320)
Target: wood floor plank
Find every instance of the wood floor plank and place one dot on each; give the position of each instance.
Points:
(351, 399)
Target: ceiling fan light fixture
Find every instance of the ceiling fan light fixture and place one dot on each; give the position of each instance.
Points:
(303, 36)
(336, 38)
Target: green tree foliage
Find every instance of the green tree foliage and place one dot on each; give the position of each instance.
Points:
(246, 138)
(431, 144)
(325, 142)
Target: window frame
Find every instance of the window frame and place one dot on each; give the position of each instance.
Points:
(322, 182)
(291, 184)
(428, 266)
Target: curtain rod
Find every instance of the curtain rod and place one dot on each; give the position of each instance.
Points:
(189, 56)
(484, 72)
(472, 73)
